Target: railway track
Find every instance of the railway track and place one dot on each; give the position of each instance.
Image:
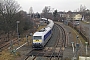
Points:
(7, 44)
(59, 43)
(63, 35)
(50, 53)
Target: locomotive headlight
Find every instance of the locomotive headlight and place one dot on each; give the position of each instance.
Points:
(37, 41)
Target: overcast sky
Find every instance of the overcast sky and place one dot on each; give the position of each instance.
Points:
(60, 5)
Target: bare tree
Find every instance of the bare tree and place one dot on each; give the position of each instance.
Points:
(55, 13)
(8, 8)
(31, 10)
(46, 10)
(82, 8)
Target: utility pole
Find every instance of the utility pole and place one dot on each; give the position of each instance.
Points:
(86, 50)
(86, 47)
(17, 31)
(27, 39)
(69, 35)
(77, 38)
(11, 43)
(74, 58)
(77, 46)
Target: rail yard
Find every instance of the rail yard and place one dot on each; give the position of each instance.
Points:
(54, 52)
(58, 46)
(44, 30)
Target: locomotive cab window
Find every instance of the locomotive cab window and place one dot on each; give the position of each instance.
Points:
(37, 37)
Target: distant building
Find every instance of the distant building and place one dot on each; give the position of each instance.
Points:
(70, 15)
(62, 16)
(74, 16)
(77, 17)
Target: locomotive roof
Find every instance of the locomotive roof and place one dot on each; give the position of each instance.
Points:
(42, 33)
(50, 23)
(44, 18)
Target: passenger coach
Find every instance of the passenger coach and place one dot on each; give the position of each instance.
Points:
(41, 37)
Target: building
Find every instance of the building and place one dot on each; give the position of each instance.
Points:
(77, 17)
(62, 16)
(70, 15)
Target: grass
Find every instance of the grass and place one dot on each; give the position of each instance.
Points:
(7, 55)
(82, 50)
(86, 22)
(40, 28)
(80, 37)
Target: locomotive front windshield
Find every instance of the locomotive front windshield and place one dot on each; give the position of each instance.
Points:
(37, 37)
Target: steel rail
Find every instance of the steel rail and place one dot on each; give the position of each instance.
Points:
(60, 42)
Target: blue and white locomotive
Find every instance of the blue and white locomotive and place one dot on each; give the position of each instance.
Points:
(41, 37)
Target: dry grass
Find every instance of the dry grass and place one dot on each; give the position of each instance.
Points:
(86, 22)
(40, 28)
(7, 55)
(81, 50)
(75, 37)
